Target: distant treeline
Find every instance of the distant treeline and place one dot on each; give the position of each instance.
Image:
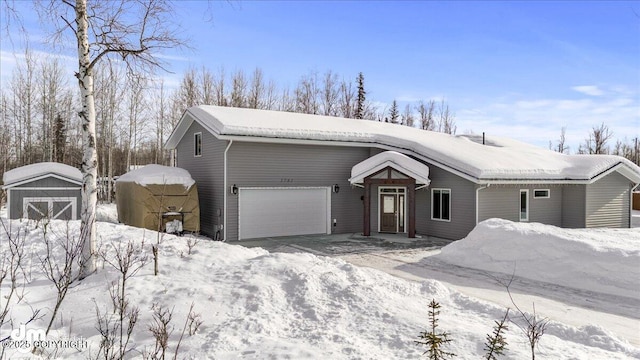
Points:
(135, 114)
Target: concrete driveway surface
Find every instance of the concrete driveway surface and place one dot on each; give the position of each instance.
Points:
(342, 244)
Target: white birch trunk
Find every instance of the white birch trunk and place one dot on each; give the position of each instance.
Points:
(89, 158)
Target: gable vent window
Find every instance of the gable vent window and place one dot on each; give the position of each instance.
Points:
(197, 144)
(541, 194)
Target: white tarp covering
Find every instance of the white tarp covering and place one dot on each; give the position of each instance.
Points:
(396, 160)
(158, 175)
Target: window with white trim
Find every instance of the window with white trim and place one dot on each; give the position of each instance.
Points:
(197, 144)
(441, 204)
(524, 205)
(541, 193)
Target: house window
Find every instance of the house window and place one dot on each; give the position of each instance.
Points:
(524, 205)
(197, 144)
(441, 204)
(541, 194)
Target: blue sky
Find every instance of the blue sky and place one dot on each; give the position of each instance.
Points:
(518, 69)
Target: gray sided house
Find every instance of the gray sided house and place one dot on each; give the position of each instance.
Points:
(266, 173)
(43, 190)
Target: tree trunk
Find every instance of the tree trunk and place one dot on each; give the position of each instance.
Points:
(89, 158)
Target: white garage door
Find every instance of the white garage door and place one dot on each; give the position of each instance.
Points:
(265, 212)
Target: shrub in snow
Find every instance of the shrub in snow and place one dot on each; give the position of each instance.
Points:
(433, 339)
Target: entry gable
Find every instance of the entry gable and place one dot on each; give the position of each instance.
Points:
(400, 165)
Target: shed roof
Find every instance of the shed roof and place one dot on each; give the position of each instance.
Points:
(498, 159)
(26, 173)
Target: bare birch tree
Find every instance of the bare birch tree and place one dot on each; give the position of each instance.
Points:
(132, 31)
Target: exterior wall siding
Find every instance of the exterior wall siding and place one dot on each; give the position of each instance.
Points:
(608, 202)
(503, 201)
(17, 196)
(252, 164)
(208, 172)
(463, 206)
(573, 206)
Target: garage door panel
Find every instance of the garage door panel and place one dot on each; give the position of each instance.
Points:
(283, 211)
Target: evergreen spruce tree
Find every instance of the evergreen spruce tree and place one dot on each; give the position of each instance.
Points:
(361, 97)
(433, 339)
(496, 342)
(60, 139)
(394, 114)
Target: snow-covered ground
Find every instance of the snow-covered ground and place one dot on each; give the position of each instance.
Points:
(259, 305)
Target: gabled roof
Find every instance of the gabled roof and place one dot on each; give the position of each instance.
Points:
(400, 162)
(36, 171)
(497, 160)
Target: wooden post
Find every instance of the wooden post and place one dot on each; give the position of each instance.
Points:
(411, 190)
(366, 231)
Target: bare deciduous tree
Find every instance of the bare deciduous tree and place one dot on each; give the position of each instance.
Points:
(131, 31)
(446, 121)
(406, 118)
(345, 102)
(256, 90)
(330, 93)
(561, 144)
(426, 113)
(598, 138)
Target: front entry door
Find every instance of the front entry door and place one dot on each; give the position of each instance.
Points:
(389, 213)
(392, 205)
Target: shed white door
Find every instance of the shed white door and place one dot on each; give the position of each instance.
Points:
(50, 208)
(266, 212)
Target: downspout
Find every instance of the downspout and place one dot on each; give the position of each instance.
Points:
(224, 210)
(477, 201)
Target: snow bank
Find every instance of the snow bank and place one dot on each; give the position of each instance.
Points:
(35, 170)
(259, 305)
(158, 175)
(601, 260)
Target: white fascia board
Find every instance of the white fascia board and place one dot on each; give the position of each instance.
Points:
(623, 170)
(420, 179)
(179, 131)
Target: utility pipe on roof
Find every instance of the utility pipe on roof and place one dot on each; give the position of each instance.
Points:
(226, 190)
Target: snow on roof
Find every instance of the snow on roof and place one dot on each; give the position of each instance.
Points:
(497, 159)
(39, 169)
(396, 160)
(158, 175)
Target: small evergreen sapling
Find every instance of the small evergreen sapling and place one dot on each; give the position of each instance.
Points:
(432, 339)
(496, 342)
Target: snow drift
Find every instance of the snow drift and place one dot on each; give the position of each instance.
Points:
(600, 260)
(259, 305)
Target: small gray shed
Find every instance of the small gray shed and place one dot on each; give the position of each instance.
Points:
(43, 190)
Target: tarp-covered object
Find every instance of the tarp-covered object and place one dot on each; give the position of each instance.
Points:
(154, 195)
